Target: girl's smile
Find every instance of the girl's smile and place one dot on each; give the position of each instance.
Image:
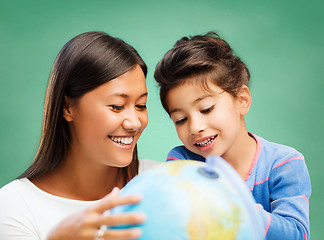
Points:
(205, 144)
(207, 120)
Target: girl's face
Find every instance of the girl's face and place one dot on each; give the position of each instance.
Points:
(207, 122)
(106, 122)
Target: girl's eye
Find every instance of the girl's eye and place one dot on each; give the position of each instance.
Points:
(207, 110)
(141, 106)
(116, 108)
(181, 121)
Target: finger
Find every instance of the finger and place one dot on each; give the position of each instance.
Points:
(114, 192)
(110, 202)
(123, 219)
(131, 233)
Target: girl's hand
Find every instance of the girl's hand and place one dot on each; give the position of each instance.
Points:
(86, 224)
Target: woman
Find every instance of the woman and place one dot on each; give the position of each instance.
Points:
(94, 113)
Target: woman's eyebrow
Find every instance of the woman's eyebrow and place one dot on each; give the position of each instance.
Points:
(143, 95)
(123, 95)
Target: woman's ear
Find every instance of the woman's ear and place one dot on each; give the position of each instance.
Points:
(67, 110)
(244, 96)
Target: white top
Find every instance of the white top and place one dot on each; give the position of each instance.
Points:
(28, 213)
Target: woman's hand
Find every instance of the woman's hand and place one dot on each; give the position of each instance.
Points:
(86, 224)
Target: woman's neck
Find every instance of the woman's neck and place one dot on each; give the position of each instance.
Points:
(81, 181)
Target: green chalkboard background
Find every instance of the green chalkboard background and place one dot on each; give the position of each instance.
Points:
(280, 41)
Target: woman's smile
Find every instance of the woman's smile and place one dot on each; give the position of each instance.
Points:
(122, 141)
(104, 132)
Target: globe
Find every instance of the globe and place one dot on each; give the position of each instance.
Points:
(188, 199)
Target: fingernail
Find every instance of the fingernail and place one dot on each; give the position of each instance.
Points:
(115, 190)
(141, 217)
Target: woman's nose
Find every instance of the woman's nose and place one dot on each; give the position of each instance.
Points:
(132, 122)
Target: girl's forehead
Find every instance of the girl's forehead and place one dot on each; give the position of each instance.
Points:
(201, 84)
(192, 92)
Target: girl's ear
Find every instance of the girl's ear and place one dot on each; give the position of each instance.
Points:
(67, 110)
(244, 96)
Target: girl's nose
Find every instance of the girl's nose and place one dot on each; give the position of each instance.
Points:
(196, 125)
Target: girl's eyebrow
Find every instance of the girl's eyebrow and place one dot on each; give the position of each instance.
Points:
(202, 98)
(194, 102)
(174, 110)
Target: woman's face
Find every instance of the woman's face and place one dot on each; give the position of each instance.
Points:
(107, 122)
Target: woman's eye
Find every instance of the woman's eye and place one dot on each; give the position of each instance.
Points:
(141, 106)
(116, 107)
(181, 121)
(207, 110)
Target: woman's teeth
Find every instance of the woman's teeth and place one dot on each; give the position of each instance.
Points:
(122, 140)
(206, 142)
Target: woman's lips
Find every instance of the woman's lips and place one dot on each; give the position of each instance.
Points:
(125, 142)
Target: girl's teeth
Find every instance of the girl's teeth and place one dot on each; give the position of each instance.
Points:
(123, 140)
(206, 142)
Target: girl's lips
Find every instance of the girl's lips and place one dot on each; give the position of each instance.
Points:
(204, 140)
(205, 144)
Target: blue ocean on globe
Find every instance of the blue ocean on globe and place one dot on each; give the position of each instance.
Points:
(192, 200)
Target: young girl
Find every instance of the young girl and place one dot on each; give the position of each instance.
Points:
(204, 89)
(94, 113)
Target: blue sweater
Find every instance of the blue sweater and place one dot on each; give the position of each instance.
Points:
(279, 181)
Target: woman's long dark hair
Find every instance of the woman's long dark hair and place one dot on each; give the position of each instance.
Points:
(84, 63)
